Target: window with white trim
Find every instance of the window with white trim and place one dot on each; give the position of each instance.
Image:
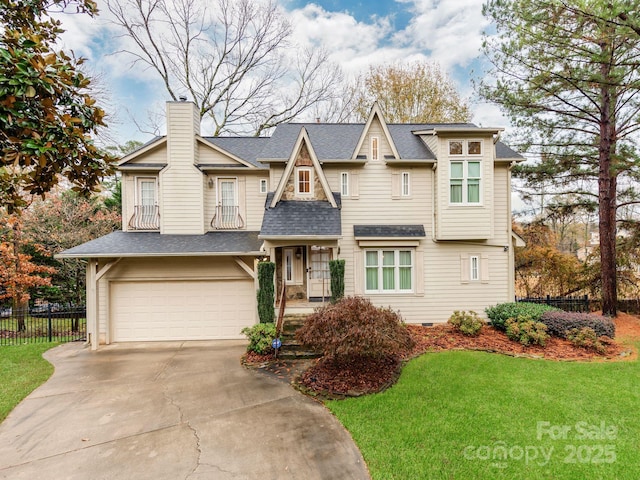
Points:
(474, 147)
(464, 182)
(375, 148)
(389, 271)
(147, 191)
(263, 185)
(292, 260)
(474, 267)
(288, 271)
(405, 185)
(304, 181)
(344, 184)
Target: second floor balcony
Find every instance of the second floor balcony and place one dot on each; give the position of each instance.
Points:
(145, 217)
(227, 217)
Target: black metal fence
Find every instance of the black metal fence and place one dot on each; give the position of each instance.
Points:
(46, 323)
(569, 304)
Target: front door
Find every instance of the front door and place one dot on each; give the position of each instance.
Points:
(318, 273)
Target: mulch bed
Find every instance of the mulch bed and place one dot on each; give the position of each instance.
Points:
(445, 337)
(330, 378)
(326, 378)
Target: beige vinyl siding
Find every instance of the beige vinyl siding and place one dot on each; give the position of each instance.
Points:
(128, 199)
(276, 170)
(439, 288)
(177, 268)
(465, 222)
(432, 143)
(501, 214)
(254, 201)
(445, 289)
(157, 155)
(181, 183)
(374, 205)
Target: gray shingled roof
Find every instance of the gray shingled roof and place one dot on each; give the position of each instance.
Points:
(409, 146)
(504, 151)
(139, 244)
(384, 231)
(336, 141)
(301, 218)
(247, 148)
(330, 141)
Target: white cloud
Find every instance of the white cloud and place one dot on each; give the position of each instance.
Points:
(451, 31)
(446, 31)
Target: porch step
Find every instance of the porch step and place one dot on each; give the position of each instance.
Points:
(291, 348)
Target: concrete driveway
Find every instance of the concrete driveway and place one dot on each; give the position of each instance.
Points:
(181, 410)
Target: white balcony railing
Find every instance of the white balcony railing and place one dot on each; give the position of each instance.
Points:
(145, 217)
(227, 217)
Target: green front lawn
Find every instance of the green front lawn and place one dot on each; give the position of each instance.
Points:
(454, 415)
(22, 370)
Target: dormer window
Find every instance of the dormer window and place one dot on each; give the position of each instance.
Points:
(375, 148)
(304, 181)
(344, 184)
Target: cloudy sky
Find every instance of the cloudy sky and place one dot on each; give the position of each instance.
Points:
(357, 33)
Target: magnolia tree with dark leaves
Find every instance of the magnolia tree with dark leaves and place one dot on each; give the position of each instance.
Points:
(47, 115)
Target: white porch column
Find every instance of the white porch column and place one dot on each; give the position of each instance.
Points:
(92, 303)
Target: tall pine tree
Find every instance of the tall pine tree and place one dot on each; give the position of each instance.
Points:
(567, 74)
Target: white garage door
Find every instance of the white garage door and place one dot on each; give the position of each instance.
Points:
(181, 310)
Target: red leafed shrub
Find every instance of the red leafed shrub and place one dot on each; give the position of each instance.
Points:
(354, 327)
(558, 323)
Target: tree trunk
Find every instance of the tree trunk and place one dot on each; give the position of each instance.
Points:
(607, 183)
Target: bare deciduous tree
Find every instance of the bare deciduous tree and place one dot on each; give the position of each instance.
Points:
(229, 56)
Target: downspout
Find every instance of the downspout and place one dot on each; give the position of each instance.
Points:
(433, 203)
(512, 271)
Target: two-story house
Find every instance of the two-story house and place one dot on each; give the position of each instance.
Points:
(420, 213)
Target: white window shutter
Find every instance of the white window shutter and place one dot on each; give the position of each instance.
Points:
(395, 185)
(464, 268)
(484, 268)
(354, 186)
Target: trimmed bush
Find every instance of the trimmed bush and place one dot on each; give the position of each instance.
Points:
(354, 327)
(336, 269)
(260, 337)
(585, 337)
(559, 322)
(499, 314)
(266, 296)
(526, 331)
(466, 323)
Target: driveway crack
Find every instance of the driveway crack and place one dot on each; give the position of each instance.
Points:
(183, 419)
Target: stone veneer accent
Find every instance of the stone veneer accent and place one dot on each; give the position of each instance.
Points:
(303, 160)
